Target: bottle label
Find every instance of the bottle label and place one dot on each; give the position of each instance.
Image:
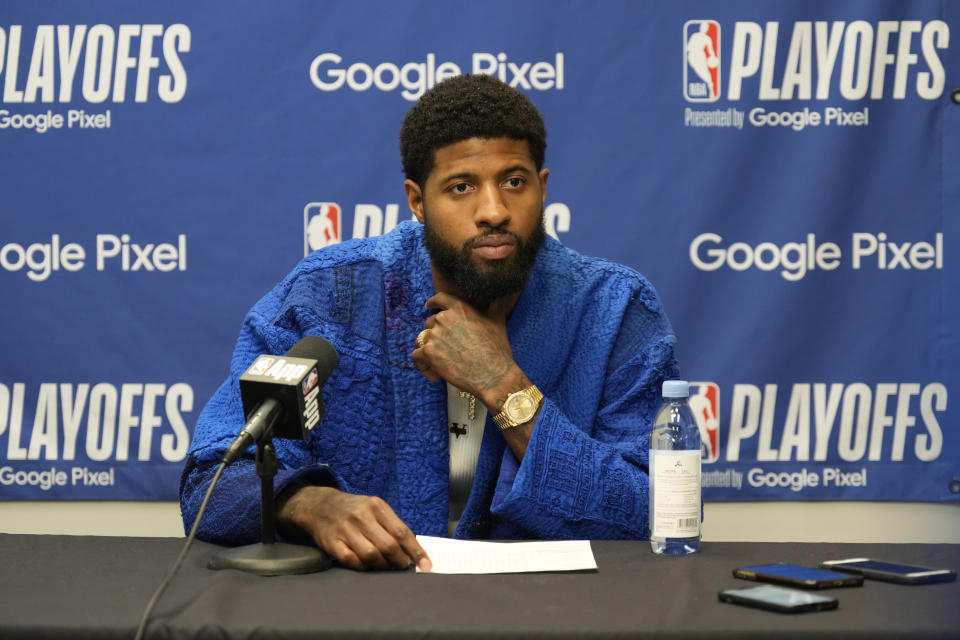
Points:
(675, 485)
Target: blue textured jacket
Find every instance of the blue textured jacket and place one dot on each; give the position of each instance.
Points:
(591, 334)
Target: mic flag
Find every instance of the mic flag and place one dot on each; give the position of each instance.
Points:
(281, 394)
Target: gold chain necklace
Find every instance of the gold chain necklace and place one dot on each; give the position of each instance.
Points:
(471, 404)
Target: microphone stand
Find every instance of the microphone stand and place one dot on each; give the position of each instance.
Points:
(269, 557)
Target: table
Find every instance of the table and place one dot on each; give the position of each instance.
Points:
(97, 587)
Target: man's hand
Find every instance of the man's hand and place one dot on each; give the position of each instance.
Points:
(360, 532)
(468, 349)
(471, 351)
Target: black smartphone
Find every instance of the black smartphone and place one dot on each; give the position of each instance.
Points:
(797, 576)
(891, 571)
(780, 599)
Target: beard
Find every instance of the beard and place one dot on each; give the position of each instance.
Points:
(481, 284)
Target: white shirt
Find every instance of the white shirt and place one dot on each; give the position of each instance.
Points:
(466, 436)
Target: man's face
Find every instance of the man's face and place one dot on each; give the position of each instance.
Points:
(482, 210)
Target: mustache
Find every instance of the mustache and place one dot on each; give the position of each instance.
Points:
(472, 242)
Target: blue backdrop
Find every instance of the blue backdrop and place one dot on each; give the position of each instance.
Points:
(786, 174)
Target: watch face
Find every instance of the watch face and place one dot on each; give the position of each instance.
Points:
(520, 407)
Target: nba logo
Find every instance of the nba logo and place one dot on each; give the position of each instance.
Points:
(260, 367)
(321, 226)
(705, 404)
(309, 382)
(701, 60)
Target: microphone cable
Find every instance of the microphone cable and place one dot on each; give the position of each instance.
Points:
(183, 554)
(268, 412)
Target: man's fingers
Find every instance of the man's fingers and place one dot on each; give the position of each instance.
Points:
(355, 547)
(414, 551)
(389, 548)
(440, 301)
(371, 536)
(398, 542)
(370, 554)
(423, 365)
(344, 555)
(358, 551)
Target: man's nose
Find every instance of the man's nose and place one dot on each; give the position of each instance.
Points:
(492, 209)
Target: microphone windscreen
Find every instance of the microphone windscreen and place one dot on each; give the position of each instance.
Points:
(316, 348)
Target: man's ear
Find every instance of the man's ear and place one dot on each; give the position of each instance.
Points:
(543, 175)
(414, 198)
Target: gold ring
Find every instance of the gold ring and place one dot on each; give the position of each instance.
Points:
(422, 337)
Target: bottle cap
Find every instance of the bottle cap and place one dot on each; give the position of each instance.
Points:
(676, 389)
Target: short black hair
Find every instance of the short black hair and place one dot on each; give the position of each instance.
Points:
(463, 107)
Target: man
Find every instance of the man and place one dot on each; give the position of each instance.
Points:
(490, 381)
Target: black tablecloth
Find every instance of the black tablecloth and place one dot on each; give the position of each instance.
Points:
(97, 587)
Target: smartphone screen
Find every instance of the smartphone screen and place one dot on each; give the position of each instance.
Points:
(779, 599)
(891, 571)
(798, 576)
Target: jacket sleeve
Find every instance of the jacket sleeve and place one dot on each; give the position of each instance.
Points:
(590, 481)
(233, 513)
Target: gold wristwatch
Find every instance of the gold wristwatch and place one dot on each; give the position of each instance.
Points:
(519, 408)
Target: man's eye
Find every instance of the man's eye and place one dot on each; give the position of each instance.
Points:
(514, 182)
(461, 187)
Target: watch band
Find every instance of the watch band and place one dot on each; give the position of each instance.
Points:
(519, 408)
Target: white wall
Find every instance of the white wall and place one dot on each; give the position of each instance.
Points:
(723, 521)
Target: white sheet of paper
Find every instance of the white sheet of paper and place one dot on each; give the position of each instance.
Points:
(474, 556)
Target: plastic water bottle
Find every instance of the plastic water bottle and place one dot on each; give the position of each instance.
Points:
(675, 474)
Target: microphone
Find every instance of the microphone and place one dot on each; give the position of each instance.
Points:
(281, 394)
(281, 397)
